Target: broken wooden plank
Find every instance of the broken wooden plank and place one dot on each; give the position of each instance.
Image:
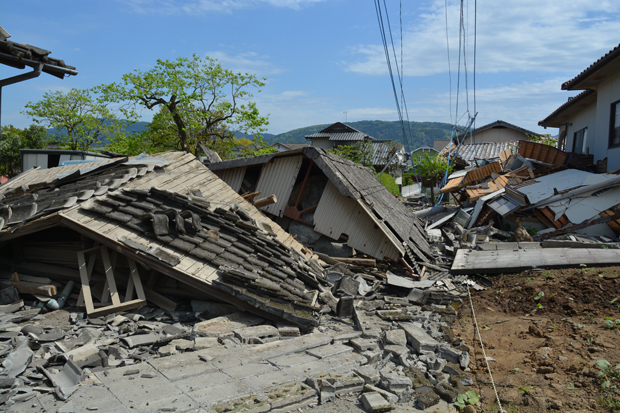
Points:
(366, 262)
(511, 261)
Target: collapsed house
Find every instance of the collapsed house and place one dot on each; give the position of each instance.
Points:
(118, 228)
(115, 223)
(321, 194)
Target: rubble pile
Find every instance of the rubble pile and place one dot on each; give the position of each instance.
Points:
(393, 331)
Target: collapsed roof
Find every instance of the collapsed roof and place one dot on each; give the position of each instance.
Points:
(172, 215)
(352, 203)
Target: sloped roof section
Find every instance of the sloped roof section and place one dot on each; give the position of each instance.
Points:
(597, 72)
(491, 150)
(172, 214)
(573, 106)
(383, 151)
(20, 55)
(504, 124)
(400, 227)
(340, 132)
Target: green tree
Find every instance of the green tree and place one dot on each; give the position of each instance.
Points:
(80, 120)
(198, 101)
(361, 152)
(544, 139)
(12, 140)
(432, 169)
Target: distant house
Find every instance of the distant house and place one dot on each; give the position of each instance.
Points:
(340, 134)
(337, 134)
(286, 146)
(590, 121)
(425, 149)
(51, 158)
(494, 132)
(498, 131)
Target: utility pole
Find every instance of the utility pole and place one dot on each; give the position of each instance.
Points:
(345, 115)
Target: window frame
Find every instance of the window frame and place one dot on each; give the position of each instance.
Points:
(584, 134)
(614, 107)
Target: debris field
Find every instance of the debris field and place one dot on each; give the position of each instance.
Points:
(154, 284)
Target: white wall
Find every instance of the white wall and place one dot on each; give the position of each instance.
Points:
(608, 92)
(586, 118)
(497, 135)
(322, 143)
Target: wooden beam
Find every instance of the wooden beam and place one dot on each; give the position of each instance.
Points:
(259, 203)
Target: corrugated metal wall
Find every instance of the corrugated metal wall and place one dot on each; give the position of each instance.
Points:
(233, 177)
(337, 214)
(278, 177)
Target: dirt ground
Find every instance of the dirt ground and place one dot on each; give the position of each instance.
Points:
(544, 347)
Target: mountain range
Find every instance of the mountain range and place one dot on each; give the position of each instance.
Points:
(418, 133)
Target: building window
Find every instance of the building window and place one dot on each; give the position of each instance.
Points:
(614, 130)
(580, 140)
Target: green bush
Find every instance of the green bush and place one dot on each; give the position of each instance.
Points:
(389, 183)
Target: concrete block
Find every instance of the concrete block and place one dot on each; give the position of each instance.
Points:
(395, 383)
(201, 343)
(329, 350)
(417, 296)
(257, 334)
(369, 374)
(426, 397)
(396, 350)
(344, 309)
(345, 335)
(390, 397)
(418, 338)
(395, 337)
(226, 324)
(363, 344)
(374, 403)
(328, 392)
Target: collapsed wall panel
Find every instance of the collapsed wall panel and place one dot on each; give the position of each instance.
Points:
(233, 177)
(277, 178)
(337, 215)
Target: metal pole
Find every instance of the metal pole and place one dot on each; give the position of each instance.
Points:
(19, 78)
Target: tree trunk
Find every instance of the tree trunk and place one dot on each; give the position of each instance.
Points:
(180, 127)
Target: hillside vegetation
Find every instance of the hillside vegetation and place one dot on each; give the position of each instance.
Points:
(422, 133)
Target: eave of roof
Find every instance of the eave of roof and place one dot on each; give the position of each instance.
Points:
(596, 72)
(574, 105)
(504, 124)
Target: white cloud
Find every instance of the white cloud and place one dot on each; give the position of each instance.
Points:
(247, 62)
(176, 7)
(522, 35)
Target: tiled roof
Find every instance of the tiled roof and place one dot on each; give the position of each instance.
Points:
(383, 151)
(20, 55)
(341, 136)
(170, 213)
(482, 150)
(340, 132)
(607, 58)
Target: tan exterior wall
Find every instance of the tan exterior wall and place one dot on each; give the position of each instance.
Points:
(497, 135)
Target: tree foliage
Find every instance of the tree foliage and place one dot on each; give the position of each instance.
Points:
(390, 183)
(432, 169)
(198, 102)
(361, 152)
(78, 118)
(544, 139)
(12, 140)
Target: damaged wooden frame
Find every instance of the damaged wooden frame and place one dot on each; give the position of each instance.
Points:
(110, 290)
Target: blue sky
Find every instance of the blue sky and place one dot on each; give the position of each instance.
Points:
(322, 58)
